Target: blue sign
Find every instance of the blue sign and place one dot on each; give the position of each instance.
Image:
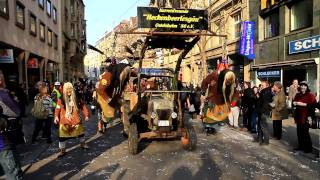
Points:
(269, 73)
(303, 45)
(247, 39)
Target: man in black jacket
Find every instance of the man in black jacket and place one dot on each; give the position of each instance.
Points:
(265, 100)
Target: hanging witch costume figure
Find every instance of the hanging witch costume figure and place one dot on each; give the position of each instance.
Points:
(221, 93)
(67, 114)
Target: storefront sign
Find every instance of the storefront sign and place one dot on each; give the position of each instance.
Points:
(247, 40)
(33, 63)
(6, 56)
(176, 19)
(304, 45)
(269, 73)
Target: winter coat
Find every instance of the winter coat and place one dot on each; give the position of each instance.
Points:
(301, 113)
(279, 111)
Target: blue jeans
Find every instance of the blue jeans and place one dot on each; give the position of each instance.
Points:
(10, 165)
(254, 117)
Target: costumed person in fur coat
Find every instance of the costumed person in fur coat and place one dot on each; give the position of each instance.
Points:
(67, 114)
(221, 93)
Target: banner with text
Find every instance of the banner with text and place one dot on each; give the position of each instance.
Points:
(6, 56)
(176, 19)
(247, 39)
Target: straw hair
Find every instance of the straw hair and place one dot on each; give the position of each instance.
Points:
(3, 83)
(69, 99)
(229, 76)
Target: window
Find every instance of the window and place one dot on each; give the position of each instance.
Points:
(72, 7)
(42, 32)
(55, 41)
(49, 37)
(4, 9)
(33, 24)
(301, 15)
(72, 30)
(41, 3)
(237, 24)
(20, 15)
(271, 25)
(49, 8)
(54, 13)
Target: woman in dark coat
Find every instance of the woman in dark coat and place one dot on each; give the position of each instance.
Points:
(302, 102)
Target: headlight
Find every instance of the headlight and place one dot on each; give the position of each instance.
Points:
(174, 115)
(153, 115)
(93, 107)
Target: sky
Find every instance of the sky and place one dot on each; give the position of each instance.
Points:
(104, 15)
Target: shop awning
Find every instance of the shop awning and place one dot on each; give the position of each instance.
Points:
(284, 63)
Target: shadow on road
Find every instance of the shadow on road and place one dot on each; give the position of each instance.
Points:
(76, 159)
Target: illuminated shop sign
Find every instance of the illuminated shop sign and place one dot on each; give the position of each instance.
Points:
(304, 45)
(269, 73)
(176, 19)
(247, 39)
(6, 56)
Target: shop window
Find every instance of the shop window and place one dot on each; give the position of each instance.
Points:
(42, 32)
(49, 8)
(271, 25)
(54, 14)
(4, 9)
(41, 3)
(301, 14)
(237, 25)
(33, 24)
(55, 41)
(20, 21)
(49, 37)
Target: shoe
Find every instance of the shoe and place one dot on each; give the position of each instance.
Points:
(84, 146)
(62, 153)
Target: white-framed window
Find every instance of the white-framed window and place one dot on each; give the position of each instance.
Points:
(49, 8)
(237, 25)
(271, 25)
(55, 41)
(42, 29)
(301, 15)
(49, 37)
(4, 8)
(20, 18)
(33, 24)
(54, 14)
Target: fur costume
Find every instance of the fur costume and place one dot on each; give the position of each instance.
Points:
(221, 93)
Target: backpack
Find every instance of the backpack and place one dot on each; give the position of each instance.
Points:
(39, 111)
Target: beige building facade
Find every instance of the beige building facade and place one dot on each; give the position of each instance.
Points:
(73, 39)
(29, 40)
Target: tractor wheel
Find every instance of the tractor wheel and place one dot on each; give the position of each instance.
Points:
(190, 141)
(133, 139)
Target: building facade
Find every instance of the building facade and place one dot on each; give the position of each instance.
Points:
(73, 39)
(287, 41)
(29, 40)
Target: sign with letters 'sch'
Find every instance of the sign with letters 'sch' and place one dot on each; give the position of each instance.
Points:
(175, 19)
(304, 45)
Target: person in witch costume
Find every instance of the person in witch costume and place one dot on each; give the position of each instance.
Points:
(67, 114)
(221, 93)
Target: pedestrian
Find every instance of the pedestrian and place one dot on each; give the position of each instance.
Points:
(246, 104)
(197, 102)
(279, 110)
(301, 102)
(67, 114)
(184, 97)
(293, 90)
(255, 110)
(9, 108)
(42, 111)
(234, 112)
(266, 98)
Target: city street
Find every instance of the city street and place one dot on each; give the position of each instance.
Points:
(230, 154)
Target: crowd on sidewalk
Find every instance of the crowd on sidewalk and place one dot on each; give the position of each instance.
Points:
(65, 103)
